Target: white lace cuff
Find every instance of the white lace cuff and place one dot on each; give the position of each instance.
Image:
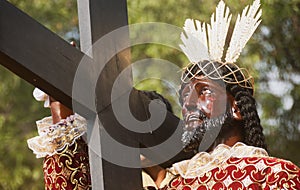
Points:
(54, 137)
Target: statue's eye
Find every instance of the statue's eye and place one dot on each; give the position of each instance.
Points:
(185, 93)
(207, 92)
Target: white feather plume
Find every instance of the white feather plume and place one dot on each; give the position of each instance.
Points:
(244, 28)
(218, 30)
(194, 41)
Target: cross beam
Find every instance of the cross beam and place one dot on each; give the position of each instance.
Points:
(45, 60)
(104, 17)
(36, 54)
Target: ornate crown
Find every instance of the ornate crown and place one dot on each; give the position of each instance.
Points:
(203, 44)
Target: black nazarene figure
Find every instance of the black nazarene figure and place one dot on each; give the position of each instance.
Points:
(222, 126)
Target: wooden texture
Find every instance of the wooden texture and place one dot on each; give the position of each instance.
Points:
(45, 60)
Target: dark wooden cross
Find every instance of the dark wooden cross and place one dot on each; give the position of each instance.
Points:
(45, 60)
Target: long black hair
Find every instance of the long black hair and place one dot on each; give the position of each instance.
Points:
(252, 129)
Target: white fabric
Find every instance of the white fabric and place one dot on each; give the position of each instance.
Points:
(54, 137)
(41, 96)
(204, 162)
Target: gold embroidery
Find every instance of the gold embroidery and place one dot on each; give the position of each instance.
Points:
(69, 168)
(247, 172)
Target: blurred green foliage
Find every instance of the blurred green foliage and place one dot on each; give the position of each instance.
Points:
(18, 112)
(272, 56)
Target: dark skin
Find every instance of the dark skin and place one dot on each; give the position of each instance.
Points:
(157, 173)
(204, 94)
(204, 98)
(58, 111)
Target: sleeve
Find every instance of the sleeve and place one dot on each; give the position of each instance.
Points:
(54, 137)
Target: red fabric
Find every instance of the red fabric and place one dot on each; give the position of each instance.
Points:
(69, 169)
(244, 173)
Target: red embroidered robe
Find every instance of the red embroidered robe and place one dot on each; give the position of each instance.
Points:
(225, 169)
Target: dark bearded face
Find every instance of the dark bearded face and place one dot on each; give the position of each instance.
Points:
(192, 137)
(204, 107)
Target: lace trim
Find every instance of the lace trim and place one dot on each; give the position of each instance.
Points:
(54, 137)
(204, 162)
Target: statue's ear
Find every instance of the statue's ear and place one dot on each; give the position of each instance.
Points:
(236, 111)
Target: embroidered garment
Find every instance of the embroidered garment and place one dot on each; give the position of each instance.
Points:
(54, 137)
(69, 168)
(238, 167)
(66, 162)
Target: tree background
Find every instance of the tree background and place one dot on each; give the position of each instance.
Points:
(272, 56)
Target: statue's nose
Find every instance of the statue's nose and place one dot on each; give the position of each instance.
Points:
(191, 101)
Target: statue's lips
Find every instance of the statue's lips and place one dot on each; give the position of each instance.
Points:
(192, 121)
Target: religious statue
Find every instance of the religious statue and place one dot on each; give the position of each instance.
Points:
(221, 123)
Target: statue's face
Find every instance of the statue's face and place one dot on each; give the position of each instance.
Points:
(202, 99)
(204, 106)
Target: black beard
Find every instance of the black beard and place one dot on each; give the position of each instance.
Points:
(192, 138)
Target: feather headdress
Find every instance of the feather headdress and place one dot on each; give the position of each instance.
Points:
(204, 43)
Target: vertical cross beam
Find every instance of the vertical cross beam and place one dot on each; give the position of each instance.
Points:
(45, 60)
(97, 18)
